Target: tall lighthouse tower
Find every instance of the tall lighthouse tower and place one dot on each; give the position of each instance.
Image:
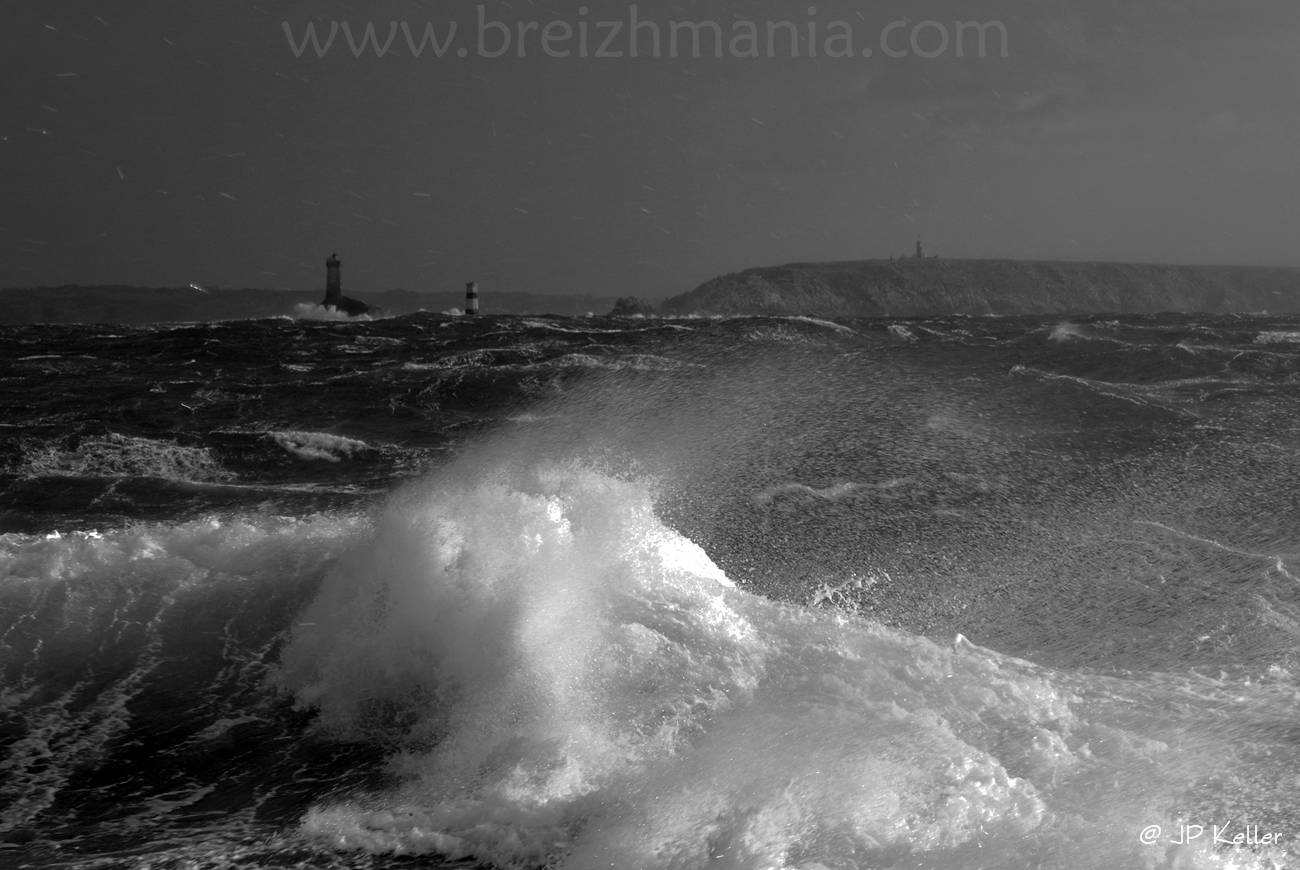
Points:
(333, 281)
(471, 297)
(334, 298)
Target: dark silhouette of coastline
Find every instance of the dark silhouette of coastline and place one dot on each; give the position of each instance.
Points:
(928, 286)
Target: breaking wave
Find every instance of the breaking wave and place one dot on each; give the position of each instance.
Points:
(564, 681)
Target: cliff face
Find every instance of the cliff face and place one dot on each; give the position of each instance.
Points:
(911, 288)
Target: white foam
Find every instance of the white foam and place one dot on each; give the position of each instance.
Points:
(315, 311)
(825, 324)
(1067, 332)
(319, 445)
(1278, 337)
(117, 455)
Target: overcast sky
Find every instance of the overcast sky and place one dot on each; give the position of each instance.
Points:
(159, 142)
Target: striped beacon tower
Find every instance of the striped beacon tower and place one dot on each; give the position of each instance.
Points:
(471, 297)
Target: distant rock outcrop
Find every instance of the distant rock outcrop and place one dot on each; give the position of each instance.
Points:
(631, 306)
(913, 288)
(349, 306)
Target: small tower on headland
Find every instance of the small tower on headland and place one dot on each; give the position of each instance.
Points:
(471, 297)
(920, 252)
(333, 280)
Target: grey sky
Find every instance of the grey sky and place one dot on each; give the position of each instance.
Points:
(158, 142)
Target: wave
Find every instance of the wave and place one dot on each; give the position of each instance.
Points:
(1069, 332)
(1278, 337)
(118, 637)
(564, 681)
(587, 329)
(319, 445)
(641, 362)
(817, 321)
(483, 357)
(780, 332)
(496, 361)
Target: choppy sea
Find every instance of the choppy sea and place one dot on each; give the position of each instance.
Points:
(747, 592)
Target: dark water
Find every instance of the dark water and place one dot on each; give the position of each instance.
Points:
(749, 592)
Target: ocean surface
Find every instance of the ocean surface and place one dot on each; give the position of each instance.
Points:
(742, 592)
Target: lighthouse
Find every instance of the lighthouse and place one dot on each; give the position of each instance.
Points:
(471, 297)
(334, 298)
(333, 281)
